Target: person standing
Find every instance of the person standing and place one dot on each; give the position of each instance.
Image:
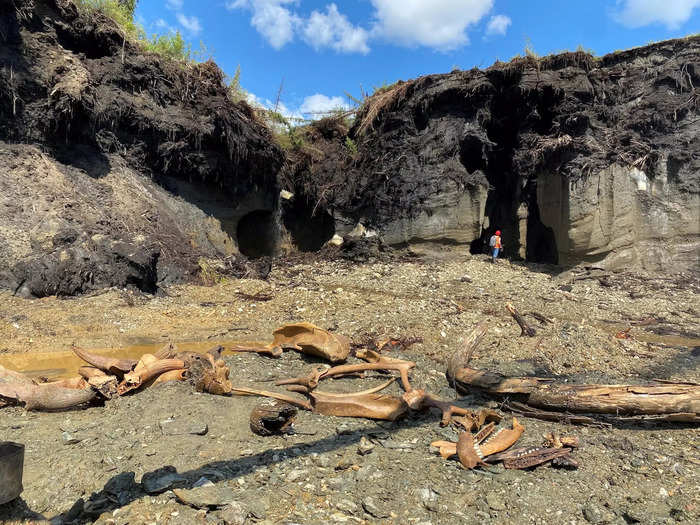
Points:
(496, 245)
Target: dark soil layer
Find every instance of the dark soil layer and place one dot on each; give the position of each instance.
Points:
(569, 115)
(94, 104)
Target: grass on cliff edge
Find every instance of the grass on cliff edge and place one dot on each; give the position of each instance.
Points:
(171, 45)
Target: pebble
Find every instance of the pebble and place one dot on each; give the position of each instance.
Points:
(347, 506)
(69, 439)
(296, 475)
(161, 480)
(365, 447)
(206, 497)
(181, 427)
(429, 499)
(592, 513)
(372, 507)
(495, 502)
(233, 514)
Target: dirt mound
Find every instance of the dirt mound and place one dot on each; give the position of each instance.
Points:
(146, 153)
(575, 158)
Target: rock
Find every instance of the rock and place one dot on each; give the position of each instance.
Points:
(336, 240)
(429, 499)
(160, 480)
(365, 447)
(347, 506)
(233, 514)
(495, 502)
(202, 482)
(321, 460)
(347, 461)
(257, 505)
(182, 427)
(69, 439)
(297, 475)
(375, 508)
(592, 513)
(206, 497)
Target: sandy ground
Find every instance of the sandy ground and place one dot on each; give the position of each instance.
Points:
(93, 460)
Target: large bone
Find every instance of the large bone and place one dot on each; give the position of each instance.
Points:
(143, 372)
(243, 391)
(369, 406)
(501, 440)
(172, 375)
(46, 396)
(10, 376)
(106, 364)
(421, 400)
(305, 338)
(73, 382)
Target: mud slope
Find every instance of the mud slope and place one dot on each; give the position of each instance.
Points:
(119, 167)
(574, 158)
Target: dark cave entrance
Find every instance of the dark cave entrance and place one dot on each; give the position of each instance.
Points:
(510, 114)
(257, 234)
(310, 229)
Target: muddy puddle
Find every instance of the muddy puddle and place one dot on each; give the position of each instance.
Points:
(64, 364)
(645, 336)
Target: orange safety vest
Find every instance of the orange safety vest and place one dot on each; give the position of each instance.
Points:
(498, 242)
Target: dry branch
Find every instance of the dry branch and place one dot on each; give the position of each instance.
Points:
(525, 329)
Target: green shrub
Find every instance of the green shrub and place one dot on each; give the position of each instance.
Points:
(122, 12)
(235, 92)
(351, 146)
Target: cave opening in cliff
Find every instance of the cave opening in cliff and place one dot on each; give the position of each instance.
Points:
(257, 234)
(310, 226)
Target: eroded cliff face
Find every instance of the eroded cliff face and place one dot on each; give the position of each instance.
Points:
(118, 167)
(575, 159)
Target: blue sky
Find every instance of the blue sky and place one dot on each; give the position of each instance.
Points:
(322, 49)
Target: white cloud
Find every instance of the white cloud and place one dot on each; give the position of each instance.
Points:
(190, 23)
(163, 26)
(440, 24)
(174, 5)
(318, 104)
(290, 114)
(638, 13)
(498, 25)
(271, 19)
(332, 29)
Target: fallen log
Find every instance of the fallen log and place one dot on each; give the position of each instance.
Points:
(679, 402)
(680, 399)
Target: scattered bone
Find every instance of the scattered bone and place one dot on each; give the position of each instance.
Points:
(111, 365)
(242, 391)
(46, 396)
(501, 440)
(172, 375)
(272, 417)
(10, 376)
(369, 406)
(420, 400)
(305, 338)
(149, 367)
(467, 452)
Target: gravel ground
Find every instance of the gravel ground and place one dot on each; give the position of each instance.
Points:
(98, 464)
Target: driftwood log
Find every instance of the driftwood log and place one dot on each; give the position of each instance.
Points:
(673, 401)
